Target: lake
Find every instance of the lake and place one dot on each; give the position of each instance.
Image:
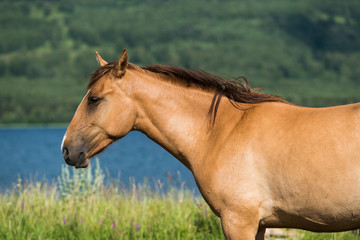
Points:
(34, 154)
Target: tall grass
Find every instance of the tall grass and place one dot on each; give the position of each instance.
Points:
(81, 206)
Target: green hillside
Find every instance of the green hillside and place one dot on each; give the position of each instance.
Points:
(306, 51)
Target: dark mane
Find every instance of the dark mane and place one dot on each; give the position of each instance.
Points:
(236, 90)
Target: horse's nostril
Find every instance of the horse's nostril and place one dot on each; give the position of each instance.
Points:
(65, 153)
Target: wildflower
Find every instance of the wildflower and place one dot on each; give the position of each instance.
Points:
(100, 223)
(199, 204)
(137, 226)
(81, 220)
(113, 225)
(22, 206)
(64, 220)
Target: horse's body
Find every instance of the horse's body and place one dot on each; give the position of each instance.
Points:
(263, 163)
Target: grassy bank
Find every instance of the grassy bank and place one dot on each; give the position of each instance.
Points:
(38, 213)
(80, 206)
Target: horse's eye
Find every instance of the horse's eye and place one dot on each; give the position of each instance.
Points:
(94, 100)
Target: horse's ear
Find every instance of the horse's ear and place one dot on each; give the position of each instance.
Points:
(121, 65)
(101, 61)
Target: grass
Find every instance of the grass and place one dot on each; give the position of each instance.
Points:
(81, 206)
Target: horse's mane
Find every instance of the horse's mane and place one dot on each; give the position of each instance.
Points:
(236, 90)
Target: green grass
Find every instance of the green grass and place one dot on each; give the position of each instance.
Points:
(302, 235)
(80, 206)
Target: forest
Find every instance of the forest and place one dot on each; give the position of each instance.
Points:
(305, 51)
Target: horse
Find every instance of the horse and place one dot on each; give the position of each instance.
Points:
(259, 161)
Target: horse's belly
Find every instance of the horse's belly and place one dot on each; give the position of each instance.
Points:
(317, 211)
(317, 194)
(316, 223)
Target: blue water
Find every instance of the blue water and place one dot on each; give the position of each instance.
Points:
(34, 155)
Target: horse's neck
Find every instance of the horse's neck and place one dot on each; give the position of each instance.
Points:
(174, 116)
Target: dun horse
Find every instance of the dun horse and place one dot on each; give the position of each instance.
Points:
(259, 161)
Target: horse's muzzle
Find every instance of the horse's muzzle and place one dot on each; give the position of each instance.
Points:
(79, 160)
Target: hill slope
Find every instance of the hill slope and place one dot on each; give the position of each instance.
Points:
(307, 52)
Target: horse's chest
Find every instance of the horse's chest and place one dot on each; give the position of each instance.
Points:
(229, 187)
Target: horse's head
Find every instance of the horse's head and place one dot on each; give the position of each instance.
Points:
(105, 114)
